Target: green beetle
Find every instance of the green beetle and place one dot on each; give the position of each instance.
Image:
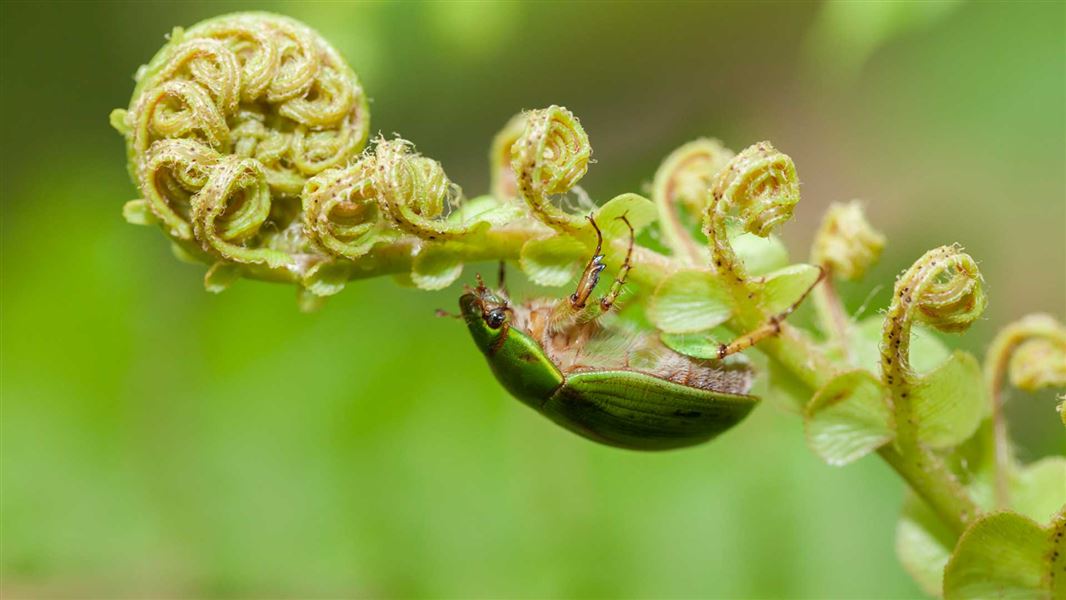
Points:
(614, 386)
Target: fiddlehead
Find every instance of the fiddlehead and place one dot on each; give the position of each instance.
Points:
(173, 172)
(504, 184)
(1038, 343)
(228, 122)
(680, 188)
(846, 246)
(943, 290)
(415, 191)
(759, 187)
(548, 159)
(177, 109)
(1032, 353)
(342, 212)
(230, 210)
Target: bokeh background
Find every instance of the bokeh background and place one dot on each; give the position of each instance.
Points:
(161, 441)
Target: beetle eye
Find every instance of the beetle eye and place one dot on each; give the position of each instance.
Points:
(495, 318)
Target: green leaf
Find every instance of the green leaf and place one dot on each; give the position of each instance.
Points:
(784, 287)
(950, 401)
(136, 212)
(327, 278)
(760, 255)
(1039, 491)
(638, 210)
(552, 261)
(927, 351)
(220, 276)
(697, 345)
(848, 418)
(436, 267)
(689, 301)
(923, 544)
(1001, 555)
(117, 118)
(486, 209)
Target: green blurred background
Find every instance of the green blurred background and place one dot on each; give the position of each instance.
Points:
(161, 441)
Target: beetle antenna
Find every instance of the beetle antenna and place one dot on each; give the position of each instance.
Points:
(440, 312)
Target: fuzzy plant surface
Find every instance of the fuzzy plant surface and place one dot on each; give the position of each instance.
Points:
(247, 138)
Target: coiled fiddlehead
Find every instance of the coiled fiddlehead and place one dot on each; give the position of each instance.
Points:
(177, 109)
(228, 122)
(1032, 352)
(943, 290)
(504, 184)
(342, 213)
(172, 173)
(1037, 348)
(231, 210)
(846, 244)
(415, 192)
(681, 187)
(548, 159)
(761, 188)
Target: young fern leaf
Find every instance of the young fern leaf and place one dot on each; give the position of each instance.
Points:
(1006, 555)
(846, 246)
(552, 261)
(848, 418)
(761, 186)
(231, 209)
(226, 124)
(342, 212)
(415, 192)
(504, 184)
(943, 289)
(680, 189)
(1031, 352)
(548, 159)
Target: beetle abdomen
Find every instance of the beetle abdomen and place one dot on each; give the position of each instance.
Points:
(634, 410)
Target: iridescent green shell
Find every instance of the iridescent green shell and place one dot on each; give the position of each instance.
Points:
(617, 407)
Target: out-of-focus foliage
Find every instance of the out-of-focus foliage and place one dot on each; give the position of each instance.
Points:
(161, 441)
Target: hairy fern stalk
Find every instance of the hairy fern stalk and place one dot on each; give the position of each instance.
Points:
(247, 138)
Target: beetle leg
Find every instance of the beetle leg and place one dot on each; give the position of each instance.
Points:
(616, 288)
(771, 328)
(591, 276)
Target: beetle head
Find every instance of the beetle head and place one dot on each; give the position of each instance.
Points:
(486, 313)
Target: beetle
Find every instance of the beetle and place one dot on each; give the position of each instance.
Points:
(615, 386)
